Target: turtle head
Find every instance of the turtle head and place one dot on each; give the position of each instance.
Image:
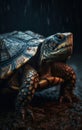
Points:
(57, 47)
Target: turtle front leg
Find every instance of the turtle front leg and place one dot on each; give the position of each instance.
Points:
(29, 84)
(68, 75)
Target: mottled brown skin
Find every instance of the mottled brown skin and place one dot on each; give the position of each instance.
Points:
(67, 73)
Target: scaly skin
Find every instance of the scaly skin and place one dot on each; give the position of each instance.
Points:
(30, 81)
(59, 73)
(68, 75)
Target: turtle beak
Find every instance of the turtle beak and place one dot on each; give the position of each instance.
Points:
(70, 39)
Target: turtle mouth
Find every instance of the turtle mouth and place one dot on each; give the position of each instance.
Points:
(67, 48)
(59, 54)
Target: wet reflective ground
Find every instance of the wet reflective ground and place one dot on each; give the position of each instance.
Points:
(48, 114)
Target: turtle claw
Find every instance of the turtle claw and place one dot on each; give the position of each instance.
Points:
(27, 113)
(65, 98)
(30, 114)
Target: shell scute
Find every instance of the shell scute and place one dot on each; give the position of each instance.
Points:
(16, 48)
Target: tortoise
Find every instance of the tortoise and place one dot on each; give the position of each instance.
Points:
(31, 62)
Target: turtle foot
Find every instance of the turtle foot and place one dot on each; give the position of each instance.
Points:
(65, 98)
(69, 98)
(27, 113)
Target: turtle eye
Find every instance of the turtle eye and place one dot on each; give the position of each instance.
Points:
(60, 37)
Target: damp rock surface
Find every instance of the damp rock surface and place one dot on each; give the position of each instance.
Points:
(51, 116)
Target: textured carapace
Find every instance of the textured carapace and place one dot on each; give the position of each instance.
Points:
(17, 48)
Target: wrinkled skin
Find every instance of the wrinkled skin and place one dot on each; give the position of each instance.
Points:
(52, 70)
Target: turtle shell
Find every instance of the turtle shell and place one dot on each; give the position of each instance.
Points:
(16, 49)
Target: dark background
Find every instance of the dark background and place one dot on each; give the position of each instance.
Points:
(42, 16)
